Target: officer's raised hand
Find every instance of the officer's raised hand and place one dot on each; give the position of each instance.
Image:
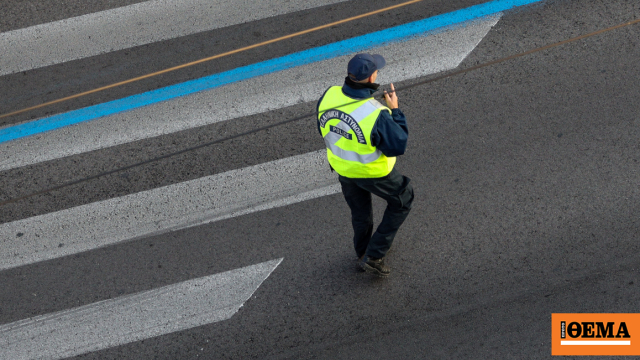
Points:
(392, 99)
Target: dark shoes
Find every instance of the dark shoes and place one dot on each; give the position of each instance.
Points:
(375, 266)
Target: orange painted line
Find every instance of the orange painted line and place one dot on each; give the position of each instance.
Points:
(178, 67)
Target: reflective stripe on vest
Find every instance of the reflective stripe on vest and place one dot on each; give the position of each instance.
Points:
(331, 138)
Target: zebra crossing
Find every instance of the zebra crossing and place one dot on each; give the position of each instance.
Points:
(183, 205)
(413, 58)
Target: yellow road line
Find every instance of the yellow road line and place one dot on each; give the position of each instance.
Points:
(178, 67)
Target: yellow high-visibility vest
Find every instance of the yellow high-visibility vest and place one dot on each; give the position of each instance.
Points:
(346, 126)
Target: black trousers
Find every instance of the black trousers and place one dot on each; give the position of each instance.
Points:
(396, 190)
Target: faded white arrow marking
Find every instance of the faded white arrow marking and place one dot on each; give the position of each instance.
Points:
(133, 317)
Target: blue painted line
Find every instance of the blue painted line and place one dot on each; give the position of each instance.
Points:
(380, 38)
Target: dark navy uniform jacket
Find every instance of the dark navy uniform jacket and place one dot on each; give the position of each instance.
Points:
(390, 132)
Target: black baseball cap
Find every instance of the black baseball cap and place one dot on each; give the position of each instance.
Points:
(363, 65)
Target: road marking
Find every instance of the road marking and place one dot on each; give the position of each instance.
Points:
(353, 45)
(221, 55)
(133, 317)
(395, 34)
(406, 60)
(182, 66)
(128, 26)
(191, 203)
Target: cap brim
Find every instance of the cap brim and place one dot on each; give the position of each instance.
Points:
(380, 62)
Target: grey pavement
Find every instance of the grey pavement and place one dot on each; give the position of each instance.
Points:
(526, 183)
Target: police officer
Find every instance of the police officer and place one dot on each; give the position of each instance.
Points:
(363, 138)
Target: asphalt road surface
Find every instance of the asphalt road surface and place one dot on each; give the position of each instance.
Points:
(525, 175)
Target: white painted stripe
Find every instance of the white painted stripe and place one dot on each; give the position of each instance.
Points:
(133, 317)
(129, 26)
(414, 58)
(275, 203)
(221, 196)
(598, 342)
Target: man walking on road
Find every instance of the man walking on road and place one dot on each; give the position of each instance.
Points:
(363, 138)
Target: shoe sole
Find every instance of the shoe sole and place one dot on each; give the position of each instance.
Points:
(374, 271)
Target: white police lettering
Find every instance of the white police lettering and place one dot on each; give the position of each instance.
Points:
(340, 132)
(347, 119)
(328, 115)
